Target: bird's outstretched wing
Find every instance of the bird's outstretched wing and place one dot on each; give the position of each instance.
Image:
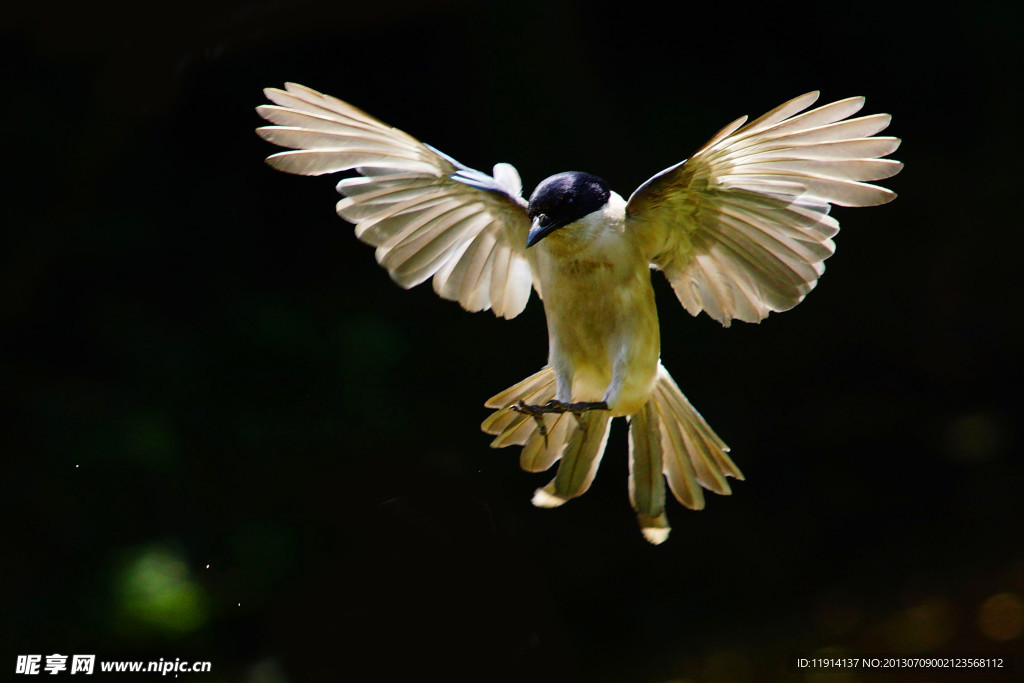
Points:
(742, 227)
(427, 214)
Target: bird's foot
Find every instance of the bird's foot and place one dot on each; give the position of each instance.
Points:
(577, 409)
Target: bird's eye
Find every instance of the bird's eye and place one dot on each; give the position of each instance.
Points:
(570, 200)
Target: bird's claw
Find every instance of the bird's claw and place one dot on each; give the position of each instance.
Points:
(578, 410)
(537, 413)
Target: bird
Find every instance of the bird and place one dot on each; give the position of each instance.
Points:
(740, 229)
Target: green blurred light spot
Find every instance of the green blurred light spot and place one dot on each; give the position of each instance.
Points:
(157, 593)
(148, 437)
(367, 346)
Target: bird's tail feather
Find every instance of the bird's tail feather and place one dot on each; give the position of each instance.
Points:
(700, 457)
(669, 436)
(578, 444)
(646, 485)
(666, 437)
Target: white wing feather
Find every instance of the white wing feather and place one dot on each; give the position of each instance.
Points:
(742, 227)
(427, 214)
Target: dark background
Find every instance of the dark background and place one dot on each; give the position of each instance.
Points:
(202, 366)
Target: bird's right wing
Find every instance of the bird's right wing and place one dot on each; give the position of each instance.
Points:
(427, 214)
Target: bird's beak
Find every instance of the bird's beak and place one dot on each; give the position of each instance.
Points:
(541, 228)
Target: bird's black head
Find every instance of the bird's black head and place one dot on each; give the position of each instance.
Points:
(563, 199)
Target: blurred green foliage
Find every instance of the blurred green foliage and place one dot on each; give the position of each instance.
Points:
(157, 596)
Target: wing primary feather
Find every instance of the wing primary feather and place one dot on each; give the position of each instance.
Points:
(427, 214)
(779, 113)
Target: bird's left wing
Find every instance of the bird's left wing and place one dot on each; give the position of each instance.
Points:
(742, 228)
(427, 214)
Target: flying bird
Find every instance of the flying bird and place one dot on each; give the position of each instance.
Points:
(740, 229)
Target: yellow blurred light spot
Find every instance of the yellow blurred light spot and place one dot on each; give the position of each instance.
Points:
(835, 616)
(921, 628)
(727, 665)
(973, 438)
(1001, 617)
